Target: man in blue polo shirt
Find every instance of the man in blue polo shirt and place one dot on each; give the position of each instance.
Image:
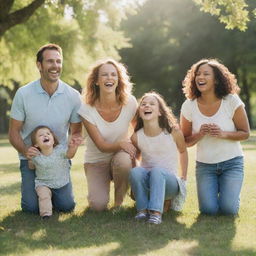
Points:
(47, 101)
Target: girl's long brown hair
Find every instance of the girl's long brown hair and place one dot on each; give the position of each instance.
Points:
(167, 119)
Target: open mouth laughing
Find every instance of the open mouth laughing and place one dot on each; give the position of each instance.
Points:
(147, 112)
(46, 140)
(54, 72)
(109, 84)
(201, 83)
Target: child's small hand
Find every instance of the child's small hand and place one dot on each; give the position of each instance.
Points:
(183, 178)
(75, 140)
(31, 166)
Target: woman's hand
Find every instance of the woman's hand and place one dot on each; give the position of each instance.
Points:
(215, 131)
(129, 148)
(204, 129)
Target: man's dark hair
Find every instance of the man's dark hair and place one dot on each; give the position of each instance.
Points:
(39, 55)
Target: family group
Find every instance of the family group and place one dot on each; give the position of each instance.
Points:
(134, 144)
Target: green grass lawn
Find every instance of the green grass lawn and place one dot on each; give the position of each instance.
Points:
(84, 232)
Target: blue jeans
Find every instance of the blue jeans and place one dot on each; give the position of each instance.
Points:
(152, 187)
(62, 198)
(219, 186)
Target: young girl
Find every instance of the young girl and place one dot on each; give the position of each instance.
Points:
(159, 142)
(52, 166)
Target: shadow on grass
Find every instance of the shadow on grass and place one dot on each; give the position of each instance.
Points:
(92, 229)
(250, 142)
(5, 144)
(88, 230)
(215, 235)
(249, 148)
(10, 189)
(9, 168)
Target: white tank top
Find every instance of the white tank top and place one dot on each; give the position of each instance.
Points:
(158, 151)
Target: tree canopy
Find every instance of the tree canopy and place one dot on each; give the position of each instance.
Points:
(233, 13)
(86, 30)
(168, 36)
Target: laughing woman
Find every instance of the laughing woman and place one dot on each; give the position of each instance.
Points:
(107, 112)
(214, 118)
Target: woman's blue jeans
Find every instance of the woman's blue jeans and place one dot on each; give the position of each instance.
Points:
(219, 186)
(62, 198)
(151, 188)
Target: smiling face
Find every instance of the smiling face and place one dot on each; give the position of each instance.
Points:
(205, 79)
(51, 66)
(44, 138)
(107, 78)
(149, 108)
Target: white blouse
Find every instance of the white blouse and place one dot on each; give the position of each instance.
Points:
(211, 149)
(110, 131)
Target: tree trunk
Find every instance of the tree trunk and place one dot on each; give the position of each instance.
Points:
(6, 105)
(8, 20)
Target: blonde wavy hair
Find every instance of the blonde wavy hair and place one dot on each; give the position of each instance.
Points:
(166, 121)
(91, 91)
(225, 81)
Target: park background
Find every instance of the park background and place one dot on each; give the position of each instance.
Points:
(158, 40)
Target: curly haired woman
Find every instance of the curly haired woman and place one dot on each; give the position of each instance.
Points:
(214, 118)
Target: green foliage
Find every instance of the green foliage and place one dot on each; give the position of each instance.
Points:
(233, 13)
(168, 36)
(86, 30)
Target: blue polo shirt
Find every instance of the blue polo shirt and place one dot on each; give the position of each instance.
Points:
(33, 106)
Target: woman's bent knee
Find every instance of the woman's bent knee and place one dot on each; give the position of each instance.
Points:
(229, 210)
(122, 160)
(98, 206)
(209, 209)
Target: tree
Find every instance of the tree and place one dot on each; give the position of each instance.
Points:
(167, 40)
(8, 19)
(85, 29)
(233, 13)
